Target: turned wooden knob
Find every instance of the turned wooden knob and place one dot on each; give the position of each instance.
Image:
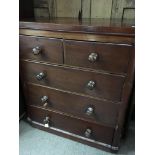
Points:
(88, 133)
(44, 100)
(46, 122)
(90, 111)
(91, 85)
(93, 57)
(40, 76)
(36, 50)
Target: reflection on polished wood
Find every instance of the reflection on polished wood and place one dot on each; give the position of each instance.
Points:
(78, 36)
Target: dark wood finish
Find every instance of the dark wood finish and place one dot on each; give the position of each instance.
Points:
(67, 71)
(93, 26)
(51, 49)
(104, 112)
(71, 125)
(79, 36)
(75, 138)
(111, 57)
(128, 85)
(107, 87)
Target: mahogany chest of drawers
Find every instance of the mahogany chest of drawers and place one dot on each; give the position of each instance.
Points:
(77, 78)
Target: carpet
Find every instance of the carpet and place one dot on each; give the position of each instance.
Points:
(33, 141)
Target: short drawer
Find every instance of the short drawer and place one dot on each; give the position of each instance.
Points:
(83, 107)
(72, 125)
(98, 85)
(102, 56)
(41, 49)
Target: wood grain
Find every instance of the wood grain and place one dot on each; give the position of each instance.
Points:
(65, 81)
(128, 85)
(86, 26)
(104, 112)
(119, 5)
(79, 36)
(41, 13)
(90, 8)
(67, 8)
(113, 58)
(71, 125)
(107, 87)
(101, 8)
(51, 49)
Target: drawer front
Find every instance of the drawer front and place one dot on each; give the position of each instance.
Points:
(41, 49)
(101, 56)
(72, 125)
(103, 86)
(82, 107)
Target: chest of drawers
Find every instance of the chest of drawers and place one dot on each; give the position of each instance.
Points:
(77, 78)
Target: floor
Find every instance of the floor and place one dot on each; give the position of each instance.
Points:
(36, 142)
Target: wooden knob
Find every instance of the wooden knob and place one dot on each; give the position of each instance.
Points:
(91, 85)
(44, 99)
(93, 57)
(88, 133)
(89, 111)
(46, 122)
(36, 50)
(40, 76)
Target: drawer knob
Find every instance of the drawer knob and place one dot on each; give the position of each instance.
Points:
(46, 122)
(93, 57)
(36, 50)
(44, 100)
(91, 85)
(88, 133)
(40, 76)
(90, 111)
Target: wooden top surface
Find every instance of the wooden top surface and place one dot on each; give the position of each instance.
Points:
(96, 26)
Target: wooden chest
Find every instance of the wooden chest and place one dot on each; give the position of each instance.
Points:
(77, 78)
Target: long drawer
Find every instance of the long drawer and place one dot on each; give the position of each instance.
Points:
(72, 125)
(41, 49)
(83, 107)
(98, 85)
(100, 56)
